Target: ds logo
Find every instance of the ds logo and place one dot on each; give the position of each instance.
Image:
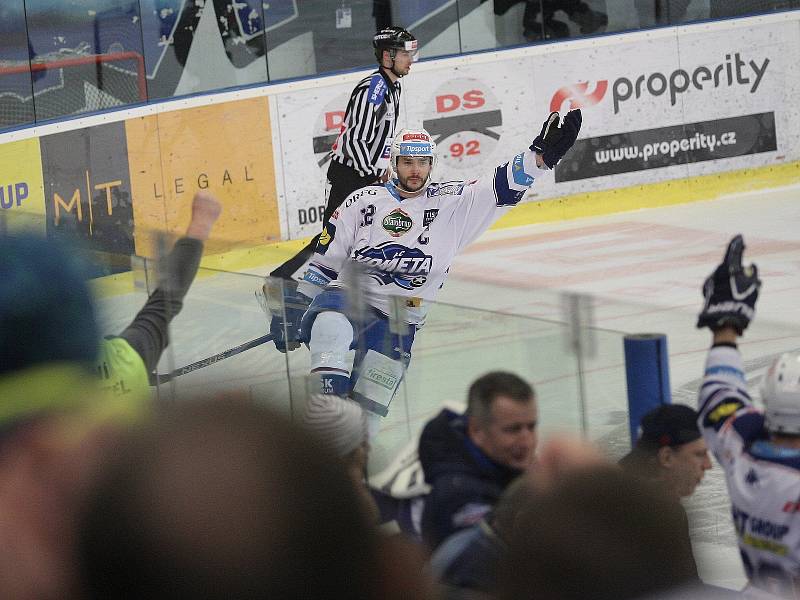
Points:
(327, 128)
(464, 121)
(334, 120)
(578, 96)
(449, 102)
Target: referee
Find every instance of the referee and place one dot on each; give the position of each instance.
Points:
(360, 155)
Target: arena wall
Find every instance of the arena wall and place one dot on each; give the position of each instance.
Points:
(670, 115)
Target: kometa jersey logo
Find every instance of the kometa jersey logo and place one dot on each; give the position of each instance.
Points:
(389, 263)
(397, 222)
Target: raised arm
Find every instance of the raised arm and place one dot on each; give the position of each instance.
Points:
(730, 295)
(489, 197)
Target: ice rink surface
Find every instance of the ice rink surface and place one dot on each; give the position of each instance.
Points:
(502, 307)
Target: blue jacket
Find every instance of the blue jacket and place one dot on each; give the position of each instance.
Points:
(468, 560)
(466, 483)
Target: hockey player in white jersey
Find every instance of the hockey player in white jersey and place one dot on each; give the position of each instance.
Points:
(404, 234)
(758, 450)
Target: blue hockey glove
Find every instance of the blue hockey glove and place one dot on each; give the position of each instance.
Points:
(730, 292)
(555, 139)
(287, 306)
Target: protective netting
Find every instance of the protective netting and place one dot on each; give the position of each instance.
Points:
(53, 87)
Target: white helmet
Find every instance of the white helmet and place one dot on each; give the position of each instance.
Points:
(780, 392)
(413, 142)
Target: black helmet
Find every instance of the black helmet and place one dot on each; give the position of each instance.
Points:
(394, 38)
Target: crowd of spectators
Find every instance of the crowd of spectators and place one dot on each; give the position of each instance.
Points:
(105, 495)
(559, 19)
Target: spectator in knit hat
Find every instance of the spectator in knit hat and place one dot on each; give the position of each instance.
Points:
(65, 394)
(47, 320)
(341, 425)
(671, 454)
(670, 450)
(54, 423)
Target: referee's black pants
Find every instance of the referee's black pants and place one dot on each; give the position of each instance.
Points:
(344, 181)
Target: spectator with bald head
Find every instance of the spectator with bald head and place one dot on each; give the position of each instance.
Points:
(597, 532)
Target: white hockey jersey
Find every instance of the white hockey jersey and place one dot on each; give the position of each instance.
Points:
(406, 245)
(763, 479)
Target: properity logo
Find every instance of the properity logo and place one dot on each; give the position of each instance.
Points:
(579, 95)
(464, 118)
(734, 71)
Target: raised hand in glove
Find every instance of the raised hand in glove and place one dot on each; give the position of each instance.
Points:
(287, 306)
(730, 292)
(557, 136)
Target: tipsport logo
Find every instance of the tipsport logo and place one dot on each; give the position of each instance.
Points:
(734, 71)
(464, 119)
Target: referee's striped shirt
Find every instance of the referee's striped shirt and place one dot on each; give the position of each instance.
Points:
(368, 126)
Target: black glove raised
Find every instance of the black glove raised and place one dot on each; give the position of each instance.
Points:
(554, 140)
(730, 292)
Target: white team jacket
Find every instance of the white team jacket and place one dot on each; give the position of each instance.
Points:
(763, 479)
(407, 245)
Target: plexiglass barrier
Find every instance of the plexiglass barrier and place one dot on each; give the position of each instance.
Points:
(569, 347)
(579, 387)
(224, 311)
(60, 58)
